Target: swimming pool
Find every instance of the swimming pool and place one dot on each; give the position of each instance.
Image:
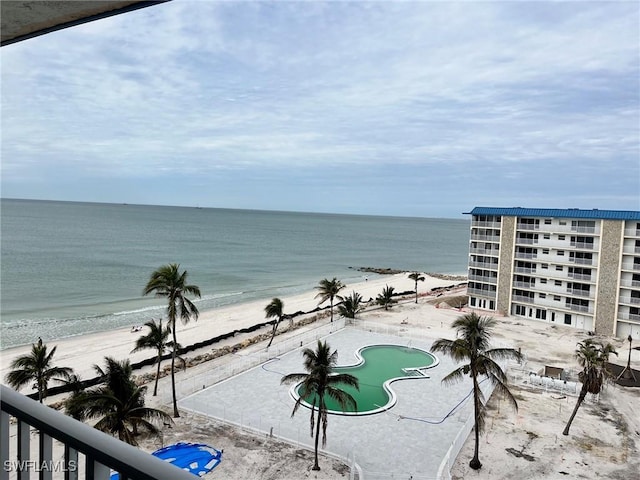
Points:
(377, 367)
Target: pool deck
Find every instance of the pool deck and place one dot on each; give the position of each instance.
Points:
(408, 441)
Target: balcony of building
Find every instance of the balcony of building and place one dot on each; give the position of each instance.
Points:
(525, 255)
(634, 317)
(629, 300)
(523, 299)
(480, 237)
(486, 224)
(483, 279)
(633, 232)
(578, 292)
(483, 264)
(629, 282)
(580, 245)
(579, 308)
(632, 265)
(564, 229)
(494, 252)
(477, 292)
(88, 453)
(631, 249)
(531, 227)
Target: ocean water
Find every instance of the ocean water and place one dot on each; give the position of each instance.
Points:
(71, 268)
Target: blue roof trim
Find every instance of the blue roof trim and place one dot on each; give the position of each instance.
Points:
(557, 213)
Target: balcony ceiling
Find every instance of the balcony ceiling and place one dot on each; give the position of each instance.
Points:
(23, 20)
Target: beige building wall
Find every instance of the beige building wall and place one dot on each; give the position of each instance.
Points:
(505, 264)
(611, 236)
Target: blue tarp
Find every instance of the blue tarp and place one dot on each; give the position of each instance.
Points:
(196, 458)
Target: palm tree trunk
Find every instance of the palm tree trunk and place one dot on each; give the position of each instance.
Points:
(316, 465)
(332, 309)
(416, 291)
(273, 334)
(40, 390)
(176, 413)
(583, 393)
(155, 388)
(475, 461)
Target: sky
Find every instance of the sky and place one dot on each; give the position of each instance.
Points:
(404, 108)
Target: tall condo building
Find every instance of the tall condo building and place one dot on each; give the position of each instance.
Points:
(565, 266)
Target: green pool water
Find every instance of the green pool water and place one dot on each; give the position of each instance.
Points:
(379, 366)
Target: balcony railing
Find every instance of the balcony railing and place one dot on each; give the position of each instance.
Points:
(486, 265)
(579, 308)
(526, 255)
(577, 292)
(483, 278)
(632, 232)
(630, 316)
(581, 261)
(528, 226)
(485, 251)
(523, 299)
(477, 223)
(630, 283)
(524, 270)
(630, 300)
(526, 241)
(481, 293)
(582, 245)
(102, 453)
(579, 276)
(485, 238)
(527, 285)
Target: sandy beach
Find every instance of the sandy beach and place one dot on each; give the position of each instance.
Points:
(604, 439)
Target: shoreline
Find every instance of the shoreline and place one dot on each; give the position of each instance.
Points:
(83, 351)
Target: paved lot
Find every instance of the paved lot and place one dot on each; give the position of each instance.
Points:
(409, 440)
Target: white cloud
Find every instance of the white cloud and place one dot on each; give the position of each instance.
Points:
(201, 87)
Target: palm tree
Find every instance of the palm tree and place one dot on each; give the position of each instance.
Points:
(472, 346)
(36, 367)
(350, 305)
(328, 290)
(593, 358)
(118, 404)
(73, 403)
(168, 282)
(318, 382)
(155, 339)
(274, 309)
(416, 277)
(386, 297)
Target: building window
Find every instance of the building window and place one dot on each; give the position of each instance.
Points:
(558, 268)
(547, 221)
(557, 298)
(547, 236)
(567, 319)
(562, 223)
(544, 266)
(545, 251)
(561, 253)
(557, 283)
(560, 237)
(543, 280)
(542, 295)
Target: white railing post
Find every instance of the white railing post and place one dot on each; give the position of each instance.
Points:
(46, 456)
(4, 443)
